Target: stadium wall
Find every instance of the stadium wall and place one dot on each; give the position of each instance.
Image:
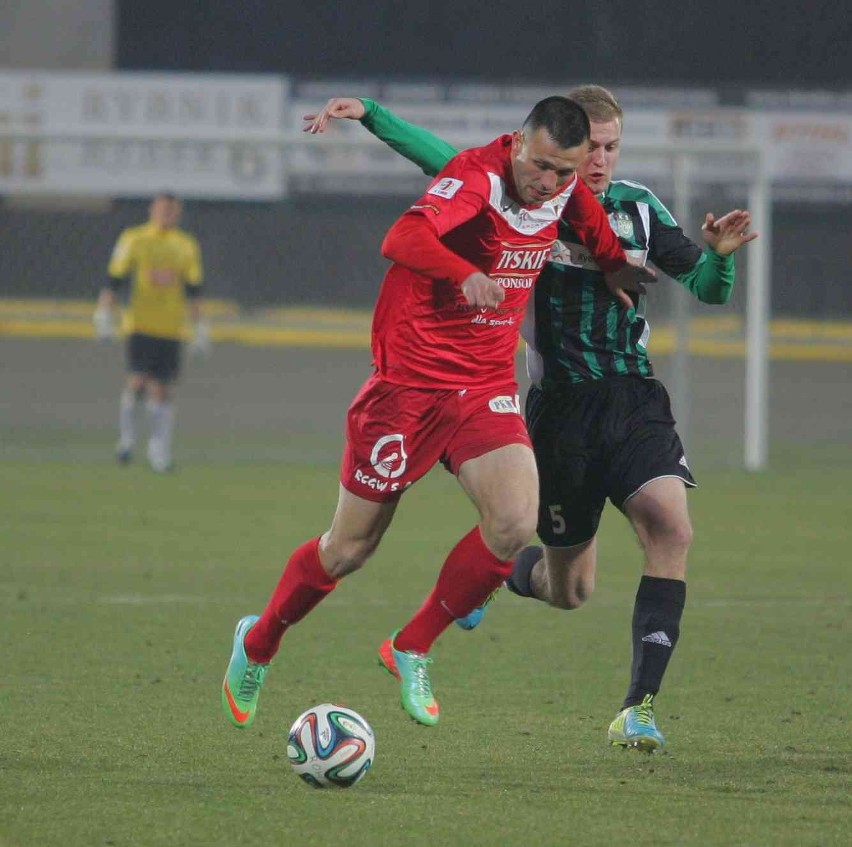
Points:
(326, 251)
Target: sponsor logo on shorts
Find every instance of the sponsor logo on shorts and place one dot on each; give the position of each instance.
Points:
(446, 188)
(682, 461)
(505, 405)
(389, 457)
(378, 484)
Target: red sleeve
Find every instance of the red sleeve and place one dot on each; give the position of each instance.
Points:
(413, 243)
(589, 221)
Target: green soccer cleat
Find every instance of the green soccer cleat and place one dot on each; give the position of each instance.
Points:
(412, 670)
(635, 727)
(474, 619)
(243, 679)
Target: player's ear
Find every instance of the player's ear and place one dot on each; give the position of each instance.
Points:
(517, 141)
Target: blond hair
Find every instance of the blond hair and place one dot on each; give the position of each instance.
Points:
(598, 102)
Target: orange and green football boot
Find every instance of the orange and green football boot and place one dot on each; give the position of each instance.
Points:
(412, 670)
(243, 679)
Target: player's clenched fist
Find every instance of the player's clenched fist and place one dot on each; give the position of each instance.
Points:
(338, 107)
(481, 291)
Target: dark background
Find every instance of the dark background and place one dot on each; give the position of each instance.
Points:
(326, 249)
(782, 44)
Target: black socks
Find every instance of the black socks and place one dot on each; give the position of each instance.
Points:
(519, 580)
(656, 627)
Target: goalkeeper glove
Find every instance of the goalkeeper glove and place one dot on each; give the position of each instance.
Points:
(104, 323)
(200, 343)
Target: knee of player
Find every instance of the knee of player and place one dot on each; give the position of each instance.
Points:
(342, 558)
(509, 533)
(572, 597)
(678, 535)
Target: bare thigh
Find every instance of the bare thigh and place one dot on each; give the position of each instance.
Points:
(356, 530)
(503, 485)
(659, 515)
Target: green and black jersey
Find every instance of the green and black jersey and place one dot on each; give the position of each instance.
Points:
(576, 330)
(581, 331)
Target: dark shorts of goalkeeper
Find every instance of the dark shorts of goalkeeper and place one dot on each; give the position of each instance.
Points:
(157, 358)
(595, 440)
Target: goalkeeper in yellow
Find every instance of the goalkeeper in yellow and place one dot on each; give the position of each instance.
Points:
(163, 265)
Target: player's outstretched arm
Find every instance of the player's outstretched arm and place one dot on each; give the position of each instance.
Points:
(415, 143)
(708, 274)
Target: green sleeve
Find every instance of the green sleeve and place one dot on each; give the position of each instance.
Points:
(711, 280)
(418, 145)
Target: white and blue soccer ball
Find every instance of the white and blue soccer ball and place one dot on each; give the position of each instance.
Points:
(331, 746)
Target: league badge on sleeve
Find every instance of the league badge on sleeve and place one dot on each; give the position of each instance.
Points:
(446, 187)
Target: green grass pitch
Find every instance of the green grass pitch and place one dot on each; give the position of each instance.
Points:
(120, 590)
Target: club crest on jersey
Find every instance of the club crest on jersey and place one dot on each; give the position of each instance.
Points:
(622, 225)
(446, 187)
(505, 405)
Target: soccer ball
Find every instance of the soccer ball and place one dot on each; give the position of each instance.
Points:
(331, 746)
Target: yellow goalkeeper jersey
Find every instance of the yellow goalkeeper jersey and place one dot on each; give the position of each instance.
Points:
(162, 262)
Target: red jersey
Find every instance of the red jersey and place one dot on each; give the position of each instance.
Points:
(424, 333)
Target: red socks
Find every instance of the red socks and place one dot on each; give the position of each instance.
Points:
(302, 585)
(470, 573)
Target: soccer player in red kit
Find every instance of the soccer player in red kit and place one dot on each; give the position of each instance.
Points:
(445, 333)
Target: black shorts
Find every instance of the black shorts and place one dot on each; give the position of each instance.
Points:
(158, 358)
(599, 439)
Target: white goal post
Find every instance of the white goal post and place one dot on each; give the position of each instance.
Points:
(758, 286)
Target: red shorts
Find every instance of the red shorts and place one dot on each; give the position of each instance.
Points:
(395, 434)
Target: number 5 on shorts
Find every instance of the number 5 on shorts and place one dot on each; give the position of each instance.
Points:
(557, 520)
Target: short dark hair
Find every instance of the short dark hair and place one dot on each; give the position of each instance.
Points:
(564, 120)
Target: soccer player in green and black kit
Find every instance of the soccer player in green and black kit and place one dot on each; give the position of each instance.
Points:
(601, 425)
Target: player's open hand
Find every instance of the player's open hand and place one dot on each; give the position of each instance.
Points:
(482, 292)
(728, 233)
(338, 107)
(632, 277)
